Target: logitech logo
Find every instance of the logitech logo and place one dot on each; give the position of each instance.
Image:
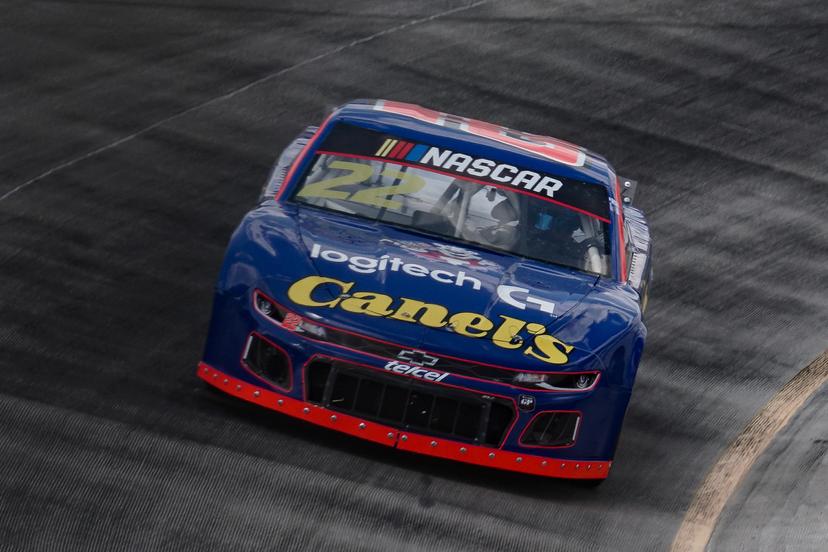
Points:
(369, 265)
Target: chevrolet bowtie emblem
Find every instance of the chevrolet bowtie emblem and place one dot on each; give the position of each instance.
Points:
(417, 358)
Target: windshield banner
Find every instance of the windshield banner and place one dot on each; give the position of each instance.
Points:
(351, 141)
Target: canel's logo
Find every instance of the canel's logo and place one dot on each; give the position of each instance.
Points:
(503, 331)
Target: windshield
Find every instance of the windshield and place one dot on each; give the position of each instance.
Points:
(489, 215)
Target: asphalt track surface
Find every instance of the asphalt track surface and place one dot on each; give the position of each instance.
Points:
(132, 142)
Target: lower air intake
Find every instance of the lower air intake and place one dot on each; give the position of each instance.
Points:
(552, 429)
(408, 404)
(267, 361)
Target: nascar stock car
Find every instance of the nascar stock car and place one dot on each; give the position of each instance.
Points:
(440, 285)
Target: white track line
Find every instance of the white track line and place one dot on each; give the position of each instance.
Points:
(237, 91)
(723, 478)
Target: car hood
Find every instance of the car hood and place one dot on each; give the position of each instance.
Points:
(380, 266)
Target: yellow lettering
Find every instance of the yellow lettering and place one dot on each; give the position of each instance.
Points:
(300, 292)
(508, 329)
(551, 349)
(544, 347)
(372, 304)
(433, 316)
(535, 329)
(471, 324)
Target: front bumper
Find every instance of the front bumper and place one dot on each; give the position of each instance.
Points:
(235, 321)
(404, 440)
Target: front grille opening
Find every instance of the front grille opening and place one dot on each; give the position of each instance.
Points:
(393, 404)
(468, 416)
(317, 378)
(552, 429)
(369, 398)
(408, 404)
(267, 362)
(418, 412)
(500, 418)
(344, 392)
(444, 415)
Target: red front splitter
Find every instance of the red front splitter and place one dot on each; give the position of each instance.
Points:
(404, 440)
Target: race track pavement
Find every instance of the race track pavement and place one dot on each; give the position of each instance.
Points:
(783, 503)
(129, 150)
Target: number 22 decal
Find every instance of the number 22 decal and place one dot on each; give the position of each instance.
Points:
(378, 196)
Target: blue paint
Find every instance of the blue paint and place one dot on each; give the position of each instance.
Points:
(599, 317)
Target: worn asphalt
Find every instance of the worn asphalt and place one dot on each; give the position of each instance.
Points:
(135, 134)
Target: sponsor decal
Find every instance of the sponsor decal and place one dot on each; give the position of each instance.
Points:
(451, 254)
(514, 296)
(546, 146)
(479, 167)
(417, 358)
(350, 141)
(519, 297)
(505, 331)
(397, 149)
(416, 371)
(370, 265)
(526, 403)
(488, 169)
(292, 322)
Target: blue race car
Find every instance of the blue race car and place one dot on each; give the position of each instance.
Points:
(440, 285)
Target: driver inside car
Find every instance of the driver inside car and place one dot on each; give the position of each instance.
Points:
(557, 228)
(491, 219)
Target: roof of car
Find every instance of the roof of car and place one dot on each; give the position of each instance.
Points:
(478, 137)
